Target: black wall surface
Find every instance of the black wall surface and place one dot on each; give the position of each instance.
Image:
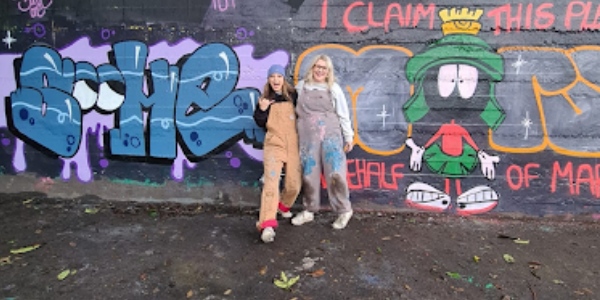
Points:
(159, 95)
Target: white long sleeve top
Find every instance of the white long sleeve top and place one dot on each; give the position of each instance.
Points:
(340, 105)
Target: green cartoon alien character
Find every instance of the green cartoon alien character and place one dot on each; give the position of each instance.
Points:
(452, 112)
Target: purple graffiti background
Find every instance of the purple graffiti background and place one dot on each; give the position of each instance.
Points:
(252, 74)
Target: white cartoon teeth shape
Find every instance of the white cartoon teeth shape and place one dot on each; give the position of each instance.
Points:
(477, 200)
(423, 196)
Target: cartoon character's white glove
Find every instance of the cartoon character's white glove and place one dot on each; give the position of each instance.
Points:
(416, 156)
(487, 164)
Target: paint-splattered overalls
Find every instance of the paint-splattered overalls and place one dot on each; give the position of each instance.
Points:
(280, 149)
(321, 146)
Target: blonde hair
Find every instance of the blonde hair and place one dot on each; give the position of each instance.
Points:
(330, 79)
(286, 90)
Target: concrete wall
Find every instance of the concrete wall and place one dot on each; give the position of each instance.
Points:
(487, 109)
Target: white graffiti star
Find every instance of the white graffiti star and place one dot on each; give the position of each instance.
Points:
(8, 40)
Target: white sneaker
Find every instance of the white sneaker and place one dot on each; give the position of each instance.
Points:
(286, 214)
(342, 220)
(268, 235)
(302, 217)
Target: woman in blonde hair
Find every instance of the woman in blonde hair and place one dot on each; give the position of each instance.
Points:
(325, 136)
(276, 113)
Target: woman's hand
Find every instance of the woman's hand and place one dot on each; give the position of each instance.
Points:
(348, 147)
(264, 103)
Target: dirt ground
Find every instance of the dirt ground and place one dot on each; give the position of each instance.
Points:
(97, 249)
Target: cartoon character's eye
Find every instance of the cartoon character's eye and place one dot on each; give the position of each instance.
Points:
(447, 78)
(467, 80)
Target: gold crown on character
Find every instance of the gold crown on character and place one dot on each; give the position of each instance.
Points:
(460, 21)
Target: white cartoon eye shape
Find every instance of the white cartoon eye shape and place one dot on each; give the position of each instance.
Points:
(85, 95)
(109, 98)
(447, 78)
(467, 80)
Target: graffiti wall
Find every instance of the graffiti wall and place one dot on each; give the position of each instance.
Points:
(462, 108)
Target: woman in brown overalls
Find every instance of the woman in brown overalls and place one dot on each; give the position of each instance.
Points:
(325, 136)
(276, 113)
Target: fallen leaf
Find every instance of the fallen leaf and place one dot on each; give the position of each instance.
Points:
(457, 289)
(189, 294)
(508, 258)
(284, 282)
(5, 261)
(25, 249)
(520, 241)
(318, 273)
(454, 275)
(143, 277)
(91, 210)
(584, 291)
(62, 275)
(227, 292)
(263, 270)
(476, 258)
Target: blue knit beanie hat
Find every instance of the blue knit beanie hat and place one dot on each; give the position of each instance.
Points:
(276, 69)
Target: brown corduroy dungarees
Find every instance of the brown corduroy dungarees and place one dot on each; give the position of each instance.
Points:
(280, 150)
